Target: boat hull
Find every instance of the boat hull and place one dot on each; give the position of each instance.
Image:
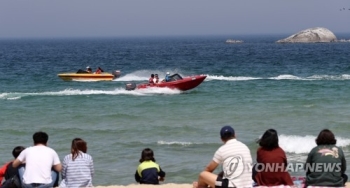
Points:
(186, 83)
(89, 76)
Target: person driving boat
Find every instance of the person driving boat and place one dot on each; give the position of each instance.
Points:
(167, 77)
(88, 69)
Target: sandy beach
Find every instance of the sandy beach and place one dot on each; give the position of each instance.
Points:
(168, 185)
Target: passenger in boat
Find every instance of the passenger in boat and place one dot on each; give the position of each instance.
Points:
(88, 69)
(270, 154)
(167, 77)
(156, 79)
(150, 80)
(326, 154)
(99, 70)
(148, 171)
(232, 153)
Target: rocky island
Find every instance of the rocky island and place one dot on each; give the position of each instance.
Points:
(311, 35)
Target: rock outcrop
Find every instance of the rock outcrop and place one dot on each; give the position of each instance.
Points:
(317, 34)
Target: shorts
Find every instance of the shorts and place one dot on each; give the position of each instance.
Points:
(221, 183)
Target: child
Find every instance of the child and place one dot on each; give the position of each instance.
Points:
(148, 171)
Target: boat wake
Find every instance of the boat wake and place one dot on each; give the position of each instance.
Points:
(280, 77)
(78, 92)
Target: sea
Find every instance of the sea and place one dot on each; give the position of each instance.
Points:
(296, 89)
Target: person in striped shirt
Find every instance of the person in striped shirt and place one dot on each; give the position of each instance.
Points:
(78, 167)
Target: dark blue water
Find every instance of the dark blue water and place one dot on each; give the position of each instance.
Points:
(298, 89)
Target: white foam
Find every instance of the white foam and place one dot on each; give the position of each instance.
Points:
(230, 78)
(304, 144)
(174, 143)
(72, 92)
(279, 77)
(286, 77)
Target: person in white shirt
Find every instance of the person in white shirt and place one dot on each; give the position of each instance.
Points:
(236, 161)
(39, 161)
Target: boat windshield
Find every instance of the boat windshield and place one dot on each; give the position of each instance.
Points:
(175, 77)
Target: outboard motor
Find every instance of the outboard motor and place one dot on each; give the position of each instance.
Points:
(130, 86)
(116, 74)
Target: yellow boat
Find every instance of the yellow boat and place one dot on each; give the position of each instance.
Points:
(89, 76)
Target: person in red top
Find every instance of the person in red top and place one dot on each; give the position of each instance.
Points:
(150, 80)
(99, 70)
(270, 169)
(15, 152)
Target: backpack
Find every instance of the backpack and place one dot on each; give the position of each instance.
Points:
(12, 178)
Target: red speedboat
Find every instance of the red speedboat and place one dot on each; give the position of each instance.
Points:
(176, 82)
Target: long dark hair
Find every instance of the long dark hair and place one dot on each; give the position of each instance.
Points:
(146, 155)
(78, 144)
(269, 140)
(326, 137)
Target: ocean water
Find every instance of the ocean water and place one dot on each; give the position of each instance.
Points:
(297, 89)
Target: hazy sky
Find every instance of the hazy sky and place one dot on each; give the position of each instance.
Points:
(108, 18)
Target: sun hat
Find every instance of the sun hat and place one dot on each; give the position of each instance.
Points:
(227, 131)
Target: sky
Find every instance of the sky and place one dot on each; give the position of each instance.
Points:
(123, 18)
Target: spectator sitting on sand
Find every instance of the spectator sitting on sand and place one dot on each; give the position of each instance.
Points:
(326, 154)
(148, 171)
(232, 153)
(8, 171)
(77, 167)
(269, 153)
(39, 160)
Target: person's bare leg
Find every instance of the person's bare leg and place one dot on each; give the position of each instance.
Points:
(206, 178)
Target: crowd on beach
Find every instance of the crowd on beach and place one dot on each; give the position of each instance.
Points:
(39, 165)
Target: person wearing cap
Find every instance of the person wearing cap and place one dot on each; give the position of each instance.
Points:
(88, 69)
(167, 77)
(236, 160)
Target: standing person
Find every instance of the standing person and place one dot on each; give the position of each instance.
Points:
(235, 158)
(325, 164)
(39, 160)
(78, 166)
(270, 154)
(148, 171)
(150, 80)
